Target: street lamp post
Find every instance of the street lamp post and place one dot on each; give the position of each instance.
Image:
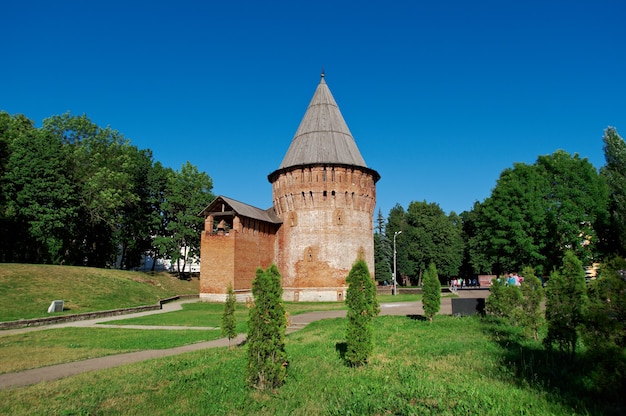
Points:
(395, 282)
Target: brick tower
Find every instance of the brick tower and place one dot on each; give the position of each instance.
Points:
(324, 194)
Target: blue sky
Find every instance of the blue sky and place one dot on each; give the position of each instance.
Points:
(440, 96)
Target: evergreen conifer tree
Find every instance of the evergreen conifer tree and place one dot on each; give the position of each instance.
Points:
(267, 323)
(229, 324)
(362, 308)
(431, 299)
(532, 296)
(566, 299)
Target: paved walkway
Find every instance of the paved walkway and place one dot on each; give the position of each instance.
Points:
(54, 372)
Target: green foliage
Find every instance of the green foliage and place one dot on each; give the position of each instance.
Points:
(432, 237)
(530, 314)
(229, 323)
(188, 191)
(536, 210)
(503, 300)
(362, 308)
(267, 323)
(75, 193)
(604, 330)
(431, 290)
(383, 252)
(566, 300)
(428, 235)
(614, 172)
(605, 326)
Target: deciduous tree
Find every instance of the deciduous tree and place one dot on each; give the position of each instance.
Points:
(615, 174)
(188, 192)
(432, 237)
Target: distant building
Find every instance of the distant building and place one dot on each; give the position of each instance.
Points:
(320, 223)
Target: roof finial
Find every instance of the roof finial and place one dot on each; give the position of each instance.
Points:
(322, 72)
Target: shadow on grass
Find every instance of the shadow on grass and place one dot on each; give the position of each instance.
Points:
(589, 383)
(341, 348)
(417, 318)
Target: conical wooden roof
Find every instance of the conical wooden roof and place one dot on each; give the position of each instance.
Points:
(323, 136)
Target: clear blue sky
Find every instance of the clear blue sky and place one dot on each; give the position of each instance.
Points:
(440, 96)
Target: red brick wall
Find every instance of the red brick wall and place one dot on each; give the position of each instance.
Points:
(234, 258)
(217, 262)
(327, 215)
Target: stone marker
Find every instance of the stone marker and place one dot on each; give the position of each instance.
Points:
(56, 306)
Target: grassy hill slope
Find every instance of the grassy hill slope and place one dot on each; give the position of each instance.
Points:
(26, 290)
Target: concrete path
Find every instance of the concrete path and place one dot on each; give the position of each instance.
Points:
(54, 372)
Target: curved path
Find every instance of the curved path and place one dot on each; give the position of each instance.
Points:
(54, 372)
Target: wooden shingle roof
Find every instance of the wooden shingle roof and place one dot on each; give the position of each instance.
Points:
(323, 136)
(227, 206)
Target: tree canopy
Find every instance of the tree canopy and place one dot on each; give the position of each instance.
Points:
(537, 212)
(78, 194)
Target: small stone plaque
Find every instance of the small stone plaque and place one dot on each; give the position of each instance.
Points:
(56, 306)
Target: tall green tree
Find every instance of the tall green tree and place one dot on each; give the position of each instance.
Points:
(134, 231)
(511, 224)
(267, 323)
(566, 300)
(396, 222)
(362, 309)
(431, 290)
(157, 221)
(188, 193)
(40, 202)
(101, 171)
(476, 259)
(382, 251)
(576, 207)
(433, 237)
(537, 212)
(614, 173)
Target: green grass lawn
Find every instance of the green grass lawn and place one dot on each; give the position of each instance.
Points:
(454, 366)
(56, 346)
(28, 289)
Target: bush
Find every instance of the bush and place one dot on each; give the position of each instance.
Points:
(228, 318)
(503, 300)
(362, 308)
(267, 323)
(431, 299)
(565, 304)
(530, 313)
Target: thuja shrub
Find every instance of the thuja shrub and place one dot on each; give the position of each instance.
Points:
(267, 323)
(530, 314)
(431, 292)
(566, 299)
(362, 308)
(229, 323)
(503, 300)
